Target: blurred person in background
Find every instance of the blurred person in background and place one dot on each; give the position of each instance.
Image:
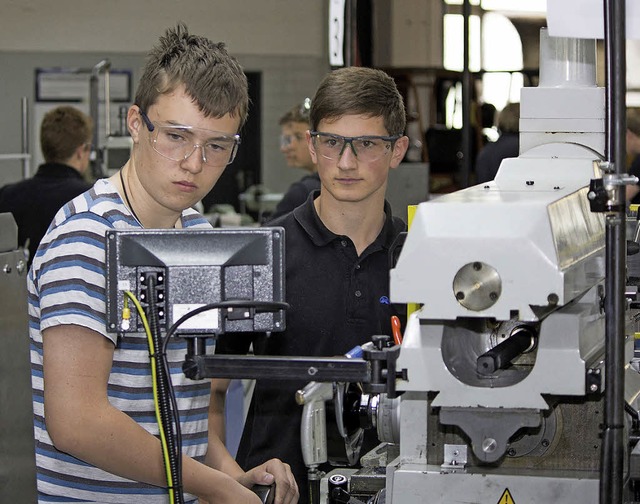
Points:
(65, 141)
(507, 145)
(293, 144)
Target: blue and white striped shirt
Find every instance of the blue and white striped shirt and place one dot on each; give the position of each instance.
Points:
(67, 286)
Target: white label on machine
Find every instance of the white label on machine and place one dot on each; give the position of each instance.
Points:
(124, 285)
(205, 320)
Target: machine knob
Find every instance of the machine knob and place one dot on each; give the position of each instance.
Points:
(338, 489)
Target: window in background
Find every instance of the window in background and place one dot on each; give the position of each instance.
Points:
(501, 45)
(453, 107)
(501, 88)
(495, 48)
(527, 6)
(453, 56)
(501, 56)
(459, 2)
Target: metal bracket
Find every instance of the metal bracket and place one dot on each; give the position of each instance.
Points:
(604, 193)
(455, 458)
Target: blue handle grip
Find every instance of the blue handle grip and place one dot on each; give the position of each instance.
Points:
(355, 353)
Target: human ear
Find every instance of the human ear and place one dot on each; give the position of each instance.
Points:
(312, 150)
(399, 150)
(134, 122)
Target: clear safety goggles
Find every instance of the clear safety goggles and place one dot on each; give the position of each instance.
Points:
(365, 148)
(177, 143)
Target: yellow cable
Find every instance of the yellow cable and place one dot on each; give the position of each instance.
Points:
(163, 440)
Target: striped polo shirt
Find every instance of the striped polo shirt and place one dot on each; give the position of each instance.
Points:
(66, 285)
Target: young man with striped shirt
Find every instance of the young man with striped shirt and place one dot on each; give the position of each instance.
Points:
(95, 429)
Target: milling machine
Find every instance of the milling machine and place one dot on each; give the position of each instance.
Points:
(502, 399)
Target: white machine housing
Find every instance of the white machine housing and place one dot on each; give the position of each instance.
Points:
(522, 249)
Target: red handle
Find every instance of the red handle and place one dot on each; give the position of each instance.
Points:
(395, 329)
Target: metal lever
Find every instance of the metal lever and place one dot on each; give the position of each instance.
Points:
(265, 492)
(521, 341)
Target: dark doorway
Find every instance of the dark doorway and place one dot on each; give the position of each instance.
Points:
(247, 168)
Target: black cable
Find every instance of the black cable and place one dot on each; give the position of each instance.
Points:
(175, 415)
(166, 396)
(259, 306)
(631, 411)
(165, 386)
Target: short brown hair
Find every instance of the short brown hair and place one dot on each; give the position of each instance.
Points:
(297, 114)
(359, 91)
(212, 77)
(62, 131)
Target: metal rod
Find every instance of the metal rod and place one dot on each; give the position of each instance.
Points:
(16, 157)
(612, 462)
(107, 103)
(504, 353)
(466, 100)
(26, 158)
(277, 368)
(94, 100)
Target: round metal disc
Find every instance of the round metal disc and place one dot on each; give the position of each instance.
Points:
(477, 286)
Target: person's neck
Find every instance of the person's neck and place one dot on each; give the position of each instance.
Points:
(141, 206)
(75, 164)
(361, 221)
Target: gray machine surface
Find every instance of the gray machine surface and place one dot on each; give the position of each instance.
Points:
(408, 185)
(17, 455)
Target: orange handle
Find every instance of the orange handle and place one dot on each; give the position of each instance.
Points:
(395, 329)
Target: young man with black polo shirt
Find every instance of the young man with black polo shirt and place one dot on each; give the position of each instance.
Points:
(337, 254)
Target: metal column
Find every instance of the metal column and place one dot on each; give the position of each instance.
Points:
(612, 463)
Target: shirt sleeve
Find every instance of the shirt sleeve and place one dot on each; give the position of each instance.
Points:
(70, 274)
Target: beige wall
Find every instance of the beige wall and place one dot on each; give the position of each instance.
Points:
(275, 27)
(284, 40)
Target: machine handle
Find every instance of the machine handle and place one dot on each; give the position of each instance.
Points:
(396, 330)
(265, 492)
(313, 433)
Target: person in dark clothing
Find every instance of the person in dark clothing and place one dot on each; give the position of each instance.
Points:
(293, 144)
(65, 141)
(633, 153)
(507, 145)
(337, 255)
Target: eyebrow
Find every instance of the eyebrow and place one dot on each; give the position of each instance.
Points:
(174, 124)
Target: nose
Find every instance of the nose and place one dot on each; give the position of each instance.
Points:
(194, 163)
(344, 147)
(347, 158)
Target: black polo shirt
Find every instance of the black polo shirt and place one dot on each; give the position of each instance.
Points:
(34, 202)
(337, 301)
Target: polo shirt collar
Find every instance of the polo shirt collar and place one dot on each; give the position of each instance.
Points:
(308, 218)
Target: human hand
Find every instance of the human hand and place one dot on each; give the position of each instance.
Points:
(237, 495)
(274, 471)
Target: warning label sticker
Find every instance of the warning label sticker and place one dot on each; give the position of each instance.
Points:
(506, 498)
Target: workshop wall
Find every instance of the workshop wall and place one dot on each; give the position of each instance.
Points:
(284, 40)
